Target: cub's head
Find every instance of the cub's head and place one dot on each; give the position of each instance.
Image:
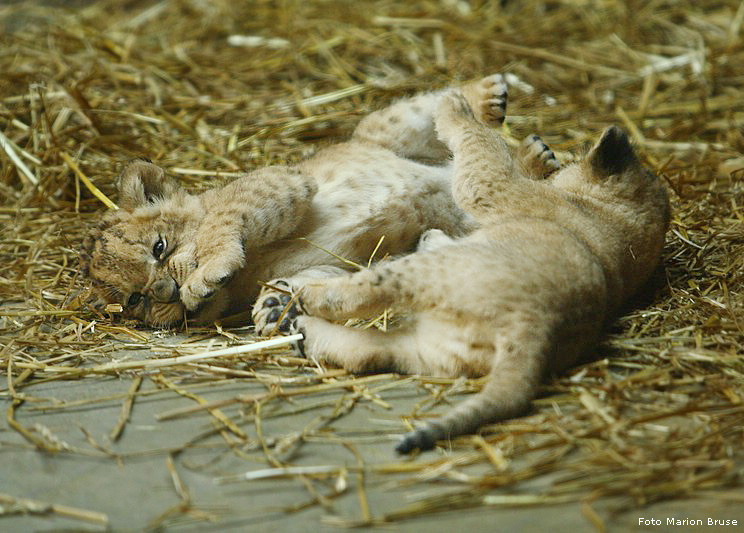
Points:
(612, 172)
(139, 255)
(636, 203)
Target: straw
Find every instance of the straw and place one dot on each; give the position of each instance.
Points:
(654, 412)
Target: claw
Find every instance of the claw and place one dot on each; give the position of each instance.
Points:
(276, 310)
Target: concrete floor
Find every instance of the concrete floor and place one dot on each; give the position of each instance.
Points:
(131, 483)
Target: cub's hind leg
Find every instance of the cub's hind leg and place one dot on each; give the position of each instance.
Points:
(330, 292)
(405, 283)
(426, 344)
(359, 295)
(407, 126)
(536, 158)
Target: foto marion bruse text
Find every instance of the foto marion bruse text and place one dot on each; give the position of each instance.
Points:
(686, 522)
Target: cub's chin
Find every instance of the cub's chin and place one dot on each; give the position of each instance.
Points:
(164, 315)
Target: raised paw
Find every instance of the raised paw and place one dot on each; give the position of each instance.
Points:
(274, 309)
(538, 158)
(487, 98)
(202, 284)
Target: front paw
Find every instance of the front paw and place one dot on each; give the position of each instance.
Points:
(489, 97)
(201, 286)
(275, 309)
(538, 157)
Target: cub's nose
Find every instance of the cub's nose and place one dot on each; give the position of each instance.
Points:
(165, 291)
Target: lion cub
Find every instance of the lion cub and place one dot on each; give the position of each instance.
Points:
(522, 296)
(167, 255)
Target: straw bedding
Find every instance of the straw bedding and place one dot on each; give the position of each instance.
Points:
(210, 89)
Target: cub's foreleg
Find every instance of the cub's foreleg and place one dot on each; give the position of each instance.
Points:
(247, 213)
(357, 350)
(406, 128)
(487, 99)
(482, 159)
(487, 179)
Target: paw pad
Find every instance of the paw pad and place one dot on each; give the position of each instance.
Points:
(275, 311)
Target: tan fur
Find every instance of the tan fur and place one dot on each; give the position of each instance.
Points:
(391, 179)
(523, 295)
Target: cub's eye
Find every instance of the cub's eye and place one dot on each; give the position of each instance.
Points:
(159, 248)
(134, 299)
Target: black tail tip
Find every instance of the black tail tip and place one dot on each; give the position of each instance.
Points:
(613, 153)
(421, 439)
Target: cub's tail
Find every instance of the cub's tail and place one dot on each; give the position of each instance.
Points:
(511, 386)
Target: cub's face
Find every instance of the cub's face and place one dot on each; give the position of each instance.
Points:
(140, 261)
(140, 255)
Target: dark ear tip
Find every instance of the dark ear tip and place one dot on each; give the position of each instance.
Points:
(616, 133)
(614, 152)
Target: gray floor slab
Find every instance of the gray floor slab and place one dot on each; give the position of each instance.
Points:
(131, 483)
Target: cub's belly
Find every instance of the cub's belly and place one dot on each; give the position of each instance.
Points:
(359, 206)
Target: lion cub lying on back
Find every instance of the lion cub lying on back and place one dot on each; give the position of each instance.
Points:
(167, 255)
(522, 296)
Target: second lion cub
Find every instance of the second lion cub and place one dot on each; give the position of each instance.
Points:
(522, 296)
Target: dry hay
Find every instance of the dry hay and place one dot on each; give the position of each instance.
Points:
(657, 413)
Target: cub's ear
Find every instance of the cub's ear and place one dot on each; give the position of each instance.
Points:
(613, 153)
(142, 182)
